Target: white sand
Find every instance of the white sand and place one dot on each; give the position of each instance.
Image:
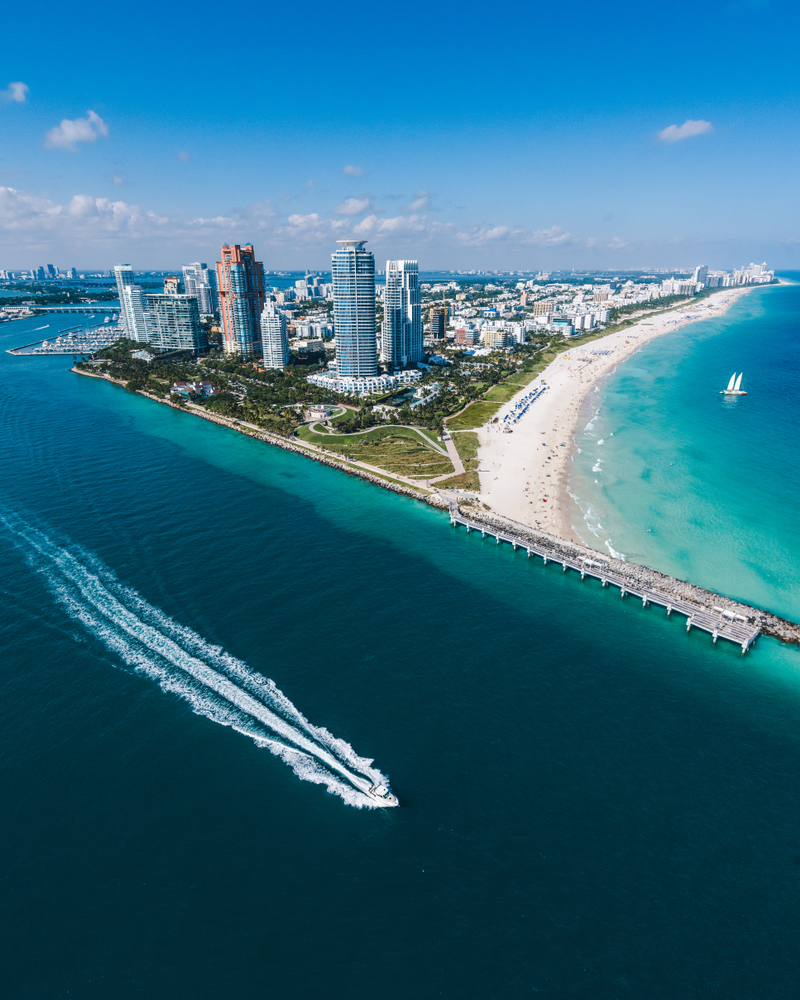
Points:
(524, 474)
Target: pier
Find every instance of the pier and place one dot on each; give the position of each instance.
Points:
(719, 622)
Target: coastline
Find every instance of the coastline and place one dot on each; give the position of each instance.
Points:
(557, 548)
(377, 477)
(515, 467)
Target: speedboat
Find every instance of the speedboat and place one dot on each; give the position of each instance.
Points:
(383, 795)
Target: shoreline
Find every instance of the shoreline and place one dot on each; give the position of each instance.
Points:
(559, 547)
(389, 481)
(515, 467)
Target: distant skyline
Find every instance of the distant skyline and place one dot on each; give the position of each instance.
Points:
(520, 137)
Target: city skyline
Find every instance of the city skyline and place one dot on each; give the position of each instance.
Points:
(592, 149)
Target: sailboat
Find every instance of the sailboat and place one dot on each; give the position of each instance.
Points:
(734, 386)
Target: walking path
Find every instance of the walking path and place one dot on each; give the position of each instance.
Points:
(455, 458)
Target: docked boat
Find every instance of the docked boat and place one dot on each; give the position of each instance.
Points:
(383, 795)
(734, 386)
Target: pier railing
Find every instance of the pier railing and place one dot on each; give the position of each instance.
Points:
(718, 622)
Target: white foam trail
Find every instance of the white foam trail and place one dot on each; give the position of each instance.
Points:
(215, 683)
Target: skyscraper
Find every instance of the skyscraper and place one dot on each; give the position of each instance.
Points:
(353, 270)
(401, 342)
(439, 322)
(274, 339)
(172, 322)
(241, 299)
(131, 314)
(199, 281)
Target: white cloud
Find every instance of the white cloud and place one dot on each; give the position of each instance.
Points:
(421, 200)
(617, 244)
(65, 135)
(79, 219)
(674, 133)
(352, 206)
(183, 155)
(352, 171)
(17, 91)
(480, 235)
(99, 229)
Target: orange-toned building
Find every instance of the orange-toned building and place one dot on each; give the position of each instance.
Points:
(241, 298)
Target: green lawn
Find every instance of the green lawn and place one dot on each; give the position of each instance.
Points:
(475, 415)
(502, 393)
(396, 449)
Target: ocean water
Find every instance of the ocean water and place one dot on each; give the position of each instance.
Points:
(703, 486)
(593, 803)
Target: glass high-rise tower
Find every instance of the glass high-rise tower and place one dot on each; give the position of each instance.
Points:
(401, 341)
(353, 270)
(241, 299)
(202, 283)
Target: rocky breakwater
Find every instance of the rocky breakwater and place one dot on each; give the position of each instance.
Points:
(639, 577)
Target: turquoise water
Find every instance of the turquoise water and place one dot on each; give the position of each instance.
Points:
(594, 803)
(702, 486)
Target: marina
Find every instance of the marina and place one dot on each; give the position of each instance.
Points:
(75, 340)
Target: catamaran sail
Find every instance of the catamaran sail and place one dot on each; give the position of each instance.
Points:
(734, 386)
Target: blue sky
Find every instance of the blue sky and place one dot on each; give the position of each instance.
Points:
(513, 135)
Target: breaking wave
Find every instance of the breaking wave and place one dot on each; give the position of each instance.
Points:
(213, 682)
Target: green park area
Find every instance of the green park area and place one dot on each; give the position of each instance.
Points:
(403, 450)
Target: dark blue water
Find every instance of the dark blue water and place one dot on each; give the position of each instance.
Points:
(594, 804)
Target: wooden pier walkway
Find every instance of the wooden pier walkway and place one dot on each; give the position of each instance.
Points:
(720, 623)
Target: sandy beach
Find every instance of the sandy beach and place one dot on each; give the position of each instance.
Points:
(524, 474)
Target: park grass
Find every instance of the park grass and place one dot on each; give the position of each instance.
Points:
(475, 415)
(432, 436)
(502, 392)
(466, 443)
(395, 449)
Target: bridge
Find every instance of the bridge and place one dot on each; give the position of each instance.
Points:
(83, 310)
(717, 621)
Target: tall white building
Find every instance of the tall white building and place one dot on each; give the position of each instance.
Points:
(131, 316)
(353, 273)
(201, 282)
(274, 338)
(131, 302)
(132, 307)
(401, 340)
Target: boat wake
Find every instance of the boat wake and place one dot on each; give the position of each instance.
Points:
(213, 682)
